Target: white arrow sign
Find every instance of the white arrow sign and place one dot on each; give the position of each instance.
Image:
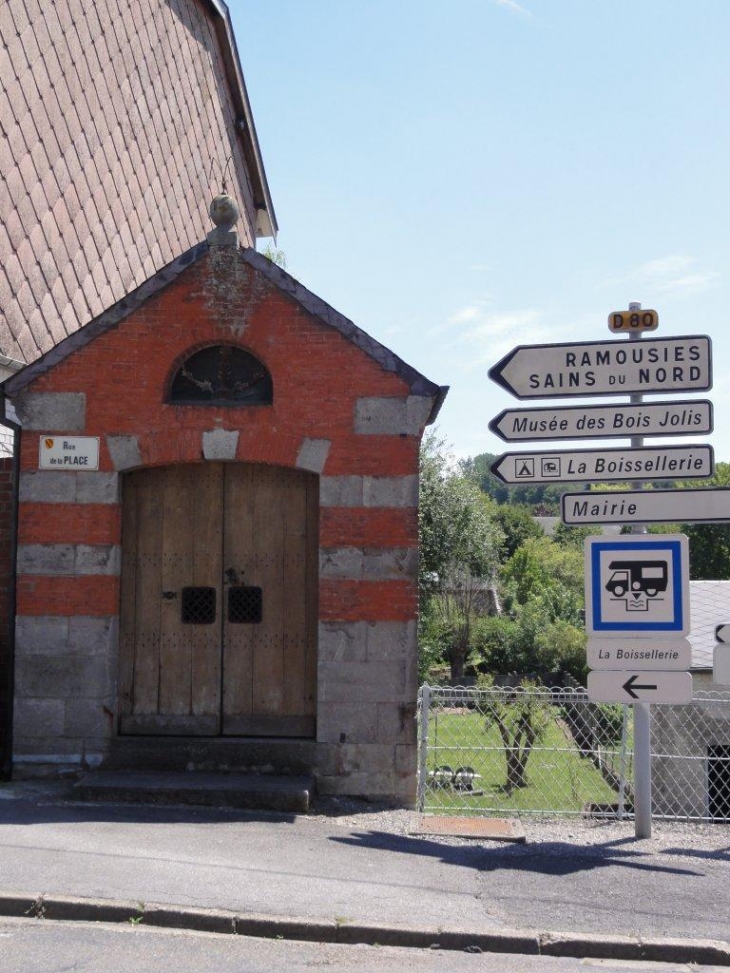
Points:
(604, 421)
(640, 687)
(702, 506)
(603, 465)
(722, 633)
(652, 365)
(644, 654)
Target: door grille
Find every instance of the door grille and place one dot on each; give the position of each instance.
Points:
(198, 606)
(245, 605)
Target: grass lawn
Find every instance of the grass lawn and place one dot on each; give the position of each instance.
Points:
(559, 779)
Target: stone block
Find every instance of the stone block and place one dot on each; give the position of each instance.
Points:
(392, 416)
(124, 451)
(89, 717)
(97, 487)
(372, 564)
(372, 758)
(396, 723)
(313, 454)
(352, 722)
(47, 486)
(98, 559)
(391, 640)
(389, 788)
(342, 642)
(220, 444)
(47, 559)
(390, 491)
(368, 491)
(41, 634)
(52, 411)
(406, 759)
(56, 486)
(50, 676)
(38, 717)
(379, 682)
(89, 635)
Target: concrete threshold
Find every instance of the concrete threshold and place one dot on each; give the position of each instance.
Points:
(270, 792)
(526, 942)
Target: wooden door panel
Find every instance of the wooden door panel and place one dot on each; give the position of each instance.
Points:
(266, 541)
(171, 678)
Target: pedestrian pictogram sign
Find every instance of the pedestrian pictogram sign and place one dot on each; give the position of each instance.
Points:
(637, 586)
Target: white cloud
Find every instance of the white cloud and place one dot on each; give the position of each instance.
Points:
(485, 336)
(513, 7)
(675, 275)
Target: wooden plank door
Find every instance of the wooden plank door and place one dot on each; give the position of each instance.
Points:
(170, 639)
(219, 601)
(270, 556)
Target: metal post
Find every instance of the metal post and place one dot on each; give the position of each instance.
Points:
(622, 765)
(423, 746)
(642, 717)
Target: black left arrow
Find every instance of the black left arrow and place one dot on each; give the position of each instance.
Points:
(630, 686)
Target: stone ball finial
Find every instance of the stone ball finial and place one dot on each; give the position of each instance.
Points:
(224, 211)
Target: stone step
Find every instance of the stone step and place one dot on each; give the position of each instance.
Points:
(271, 792)
(225, 755)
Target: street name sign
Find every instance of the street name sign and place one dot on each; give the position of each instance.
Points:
(639, 687)
(722, 633)
(653, 365)
(624, 322)
(72, 453)
(605, 421)
(721, 665)
(637, 586)
(591, 465)
(701, 506)
(644, 654)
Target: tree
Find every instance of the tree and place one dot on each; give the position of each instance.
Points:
(517, 524)
(522, 716)
(459, 545)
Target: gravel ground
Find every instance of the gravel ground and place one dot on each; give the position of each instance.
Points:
(666, 836)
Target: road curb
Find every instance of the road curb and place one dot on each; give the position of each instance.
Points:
(526, 942)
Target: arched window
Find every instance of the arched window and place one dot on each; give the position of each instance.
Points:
(221, 375)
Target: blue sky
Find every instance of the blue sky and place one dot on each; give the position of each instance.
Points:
(462, 178)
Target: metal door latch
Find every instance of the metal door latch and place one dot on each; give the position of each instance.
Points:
(169, 595)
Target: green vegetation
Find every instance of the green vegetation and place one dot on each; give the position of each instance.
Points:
(497, 596)
(558, 778)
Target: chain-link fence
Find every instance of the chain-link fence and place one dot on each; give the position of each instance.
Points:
(536, 750)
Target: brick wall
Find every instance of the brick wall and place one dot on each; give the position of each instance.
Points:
(6, 594)
(336, 411)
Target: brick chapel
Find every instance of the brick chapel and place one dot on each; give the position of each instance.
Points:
(209, 542)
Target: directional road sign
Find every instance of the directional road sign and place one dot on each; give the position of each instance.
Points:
(721, 665)
(637, 586)
(602, 465)
(640, 687)
(722, 633)
(701, 506)
(624, 322)
(605, 421)
(653, 653)
(653, 365)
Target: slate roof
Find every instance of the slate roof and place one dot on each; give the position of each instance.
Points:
(709, 607)
(119, 121)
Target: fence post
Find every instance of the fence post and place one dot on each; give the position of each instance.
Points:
(622, 765)
(423, 746)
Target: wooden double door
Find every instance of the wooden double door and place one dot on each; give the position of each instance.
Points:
(219, 601)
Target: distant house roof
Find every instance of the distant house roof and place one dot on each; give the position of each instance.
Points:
(709, 607)
(119, 120)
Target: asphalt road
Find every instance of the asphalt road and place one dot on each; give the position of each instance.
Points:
(41, 946)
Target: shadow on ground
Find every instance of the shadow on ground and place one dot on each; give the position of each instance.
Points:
(548, 858)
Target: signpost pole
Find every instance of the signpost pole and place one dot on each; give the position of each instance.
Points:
(642, 713)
